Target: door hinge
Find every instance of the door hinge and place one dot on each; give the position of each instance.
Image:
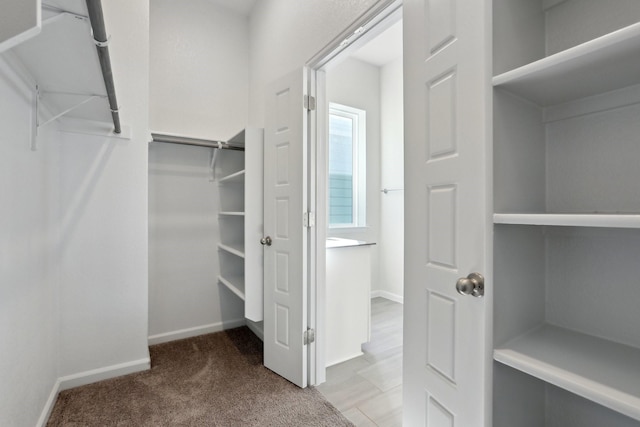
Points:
(309, 219)
(309, 336)
(309, 103)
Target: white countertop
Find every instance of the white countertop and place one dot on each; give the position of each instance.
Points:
(338, 242)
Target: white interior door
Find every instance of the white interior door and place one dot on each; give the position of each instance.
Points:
(447, 351)
(285, 201)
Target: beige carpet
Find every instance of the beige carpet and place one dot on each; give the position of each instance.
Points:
(211, 380)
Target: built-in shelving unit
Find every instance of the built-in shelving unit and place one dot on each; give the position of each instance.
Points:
(566, 213)
(239, 177)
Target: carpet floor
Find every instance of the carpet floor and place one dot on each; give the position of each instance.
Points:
(211, 380)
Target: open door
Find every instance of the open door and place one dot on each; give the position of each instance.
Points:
(285, 252)
(447, 334)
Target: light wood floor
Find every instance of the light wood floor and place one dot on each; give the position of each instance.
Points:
(368, 388)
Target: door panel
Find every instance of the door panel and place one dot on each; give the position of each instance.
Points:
(285, 260)
(447, 78)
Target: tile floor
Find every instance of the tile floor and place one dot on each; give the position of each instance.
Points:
(368, 388)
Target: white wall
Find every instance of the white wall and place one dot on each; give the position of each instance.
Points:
(392, 176)
(357, 84)
(285, 34)
(199, 86)
(28, 299)
(73, 283)
(102, 219)
(199, 69)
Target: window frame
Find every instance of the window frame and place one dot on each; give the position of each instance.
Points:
(359, 163)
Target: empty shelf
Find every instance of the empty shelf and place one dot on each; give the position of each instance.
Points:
(596, 369)
(233, 248)
(571, 220)
(600, 65)
(235, 284)
(234, 177)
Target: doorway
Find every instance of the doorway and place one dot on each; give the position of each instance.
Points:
(361, 93)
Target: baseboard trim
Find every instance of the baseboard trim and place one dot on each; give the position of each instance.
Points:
(194, 332)
(48, 407)
(95, 375)
(388, 295)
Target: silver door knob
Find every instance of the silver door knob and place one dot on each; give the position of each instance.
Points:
(472, 285)
(266, 241)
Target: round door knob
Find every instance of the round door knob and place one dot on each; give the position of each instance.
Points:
(464, 286)
(266, 241)
(473, 285)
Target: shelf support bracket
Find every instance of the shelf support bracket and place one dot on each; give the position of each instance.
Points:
(214, 157)
(70, 109)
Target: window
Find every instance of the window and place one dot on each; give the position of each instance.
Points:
(347, 166)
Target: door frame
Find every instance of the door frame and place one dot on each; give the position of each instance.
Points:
(368, 25)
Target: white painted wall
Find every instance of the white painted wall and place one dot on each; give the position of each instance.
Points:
(392, 176)
(199, 73)
(357, 84)
(73, 282)
(198, 86)
(28, 298)
(285, 34)
(102, 219)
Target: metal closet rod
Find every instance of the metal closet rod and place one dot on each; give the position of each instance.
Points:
(174, 139)
(100, 38)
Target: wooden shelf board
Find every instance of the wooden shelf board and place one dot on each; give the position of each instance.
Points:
(570, 220)
(605, 372)
(601, 65)
(233, 248)
(236, 176)
(234, 284)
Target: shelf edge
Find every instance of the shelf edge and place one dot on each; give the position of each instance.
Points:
(232, 176)
(231, 287)
(568, 55)
(570, 220)
(231, 250)
(611, 398)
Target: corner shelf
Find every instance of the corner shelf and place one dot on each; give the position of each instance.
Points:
(570, 220)
(601, 65)
(235, 284)
(603, 371)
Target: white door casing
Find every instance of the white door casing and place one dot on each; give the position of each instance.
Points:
(285, 201)
(447, 336)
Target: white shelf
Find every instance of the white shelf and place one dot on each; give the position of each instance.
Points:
(227, 213)
(596, 369)
(600, 65)
(234, 177)
(52, 60)
(233, 248)
(571, 220)
(234, 284)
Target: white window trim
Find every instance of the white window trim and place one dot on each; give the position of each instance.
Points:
(359, 118)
